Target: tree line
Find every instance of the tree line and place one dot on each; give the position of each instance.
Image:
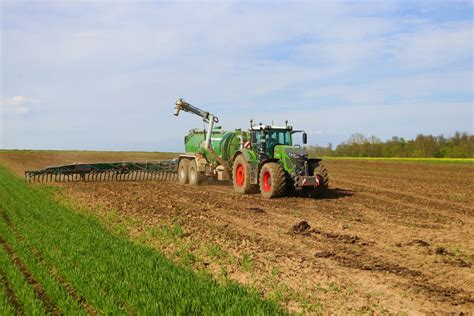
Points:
(460, 145)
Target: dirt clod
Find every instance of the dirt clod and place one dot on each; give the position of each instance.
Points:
(441, 251)
(324, 254)
(418, 242)
(301, 228)
(255, 209)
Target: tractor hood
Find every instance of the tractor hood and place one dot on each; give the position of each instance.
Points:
(291, 152)
(291, 156)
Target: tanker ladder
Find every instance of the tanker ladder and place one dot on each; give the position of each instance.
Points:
(106, 171)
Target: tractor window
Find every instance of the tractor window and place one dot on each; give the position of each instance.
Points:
(277, 137)
(273, 137)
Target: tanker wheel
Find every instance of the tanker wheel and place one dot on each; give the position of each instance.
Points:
(272, 180)
(195, 177)
(183, 171)
(323, 176)
(241, 176)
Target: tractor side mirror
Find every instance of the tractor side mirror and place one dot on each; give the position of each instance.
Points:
(305, 138)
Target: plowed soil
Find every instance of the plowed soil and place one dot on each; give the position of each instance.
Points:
(396, 237)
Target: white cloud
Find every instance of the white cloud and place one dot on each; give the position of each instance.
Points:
(16, 105)
(15, 101)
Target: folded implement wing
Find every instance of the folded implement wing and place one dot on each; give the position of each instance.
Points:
(106, 171)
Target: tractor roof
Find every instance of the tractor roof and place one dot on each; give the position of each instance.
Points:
(270, 127)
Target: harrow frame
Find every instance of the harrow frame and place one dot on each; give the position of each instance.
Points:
(106, 171)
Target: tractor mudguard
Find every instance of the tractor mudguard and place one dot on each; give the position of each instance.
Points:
(312, 164)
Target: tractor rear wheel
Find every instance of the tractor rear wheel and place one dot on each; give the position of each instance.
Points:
(241, 176)
(183, 171)
(272, 180)
(195, 177)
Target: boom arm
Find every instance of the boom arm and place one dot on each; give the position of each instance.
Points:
(206, 116)
(186, 107)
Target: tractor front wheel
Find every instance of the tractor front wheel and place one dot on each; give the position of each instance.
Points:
(323, 176)
(241, 176)
(195, 177)
(183, 171)
(272, 180)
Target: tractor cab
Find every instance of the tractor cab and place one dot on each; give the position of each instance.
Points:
(264, 138)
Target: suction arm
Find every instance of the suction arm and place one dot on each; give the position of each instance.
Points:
(186, 107)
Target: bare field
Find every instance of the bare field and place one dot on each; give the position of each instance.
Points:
(396, 237)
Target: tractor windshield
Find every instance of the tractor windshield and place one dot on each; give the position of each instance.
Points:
(277, 137)
(273, 137)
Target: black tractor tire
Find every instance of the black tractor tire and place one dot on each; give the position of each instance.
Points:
(323, 176)
(183, 171)
(272, 180)
(290, 189)
(241, 176)
(195, 177)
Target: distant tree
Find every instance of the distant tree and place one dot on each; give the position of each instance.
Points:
(460, 145)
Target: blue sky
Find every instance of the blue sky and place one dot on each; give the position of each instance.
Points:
(104, 75)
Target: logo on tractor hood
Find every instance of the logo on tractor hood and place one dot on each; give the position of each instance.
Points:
(295, 153)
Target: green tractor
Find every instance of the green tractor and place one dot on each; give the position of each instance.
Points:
(262, 158)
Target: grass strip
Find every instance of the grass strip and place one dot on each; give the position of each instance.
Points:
(111, 273)
(409, 160)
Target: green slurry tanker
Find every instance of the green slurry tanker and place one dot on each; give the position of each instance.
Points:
(262, 158)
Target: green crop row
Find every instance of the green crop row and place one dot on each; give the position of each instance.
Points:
(63, 249)
(18, 292)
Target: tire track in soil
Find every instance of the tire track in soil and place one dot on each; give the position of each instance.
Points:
(431, 202)
(10, 294)
(69, 289)
(423, 212)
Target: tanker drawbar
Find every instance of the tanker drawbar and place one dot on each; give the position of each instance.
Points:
(106, 171)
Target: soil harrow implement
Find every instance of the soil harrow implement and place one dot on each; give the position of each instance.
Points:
(106, 171)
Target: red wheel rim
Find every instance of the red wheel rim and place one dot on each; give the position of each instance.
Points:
(267, 181)
(240, 175)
